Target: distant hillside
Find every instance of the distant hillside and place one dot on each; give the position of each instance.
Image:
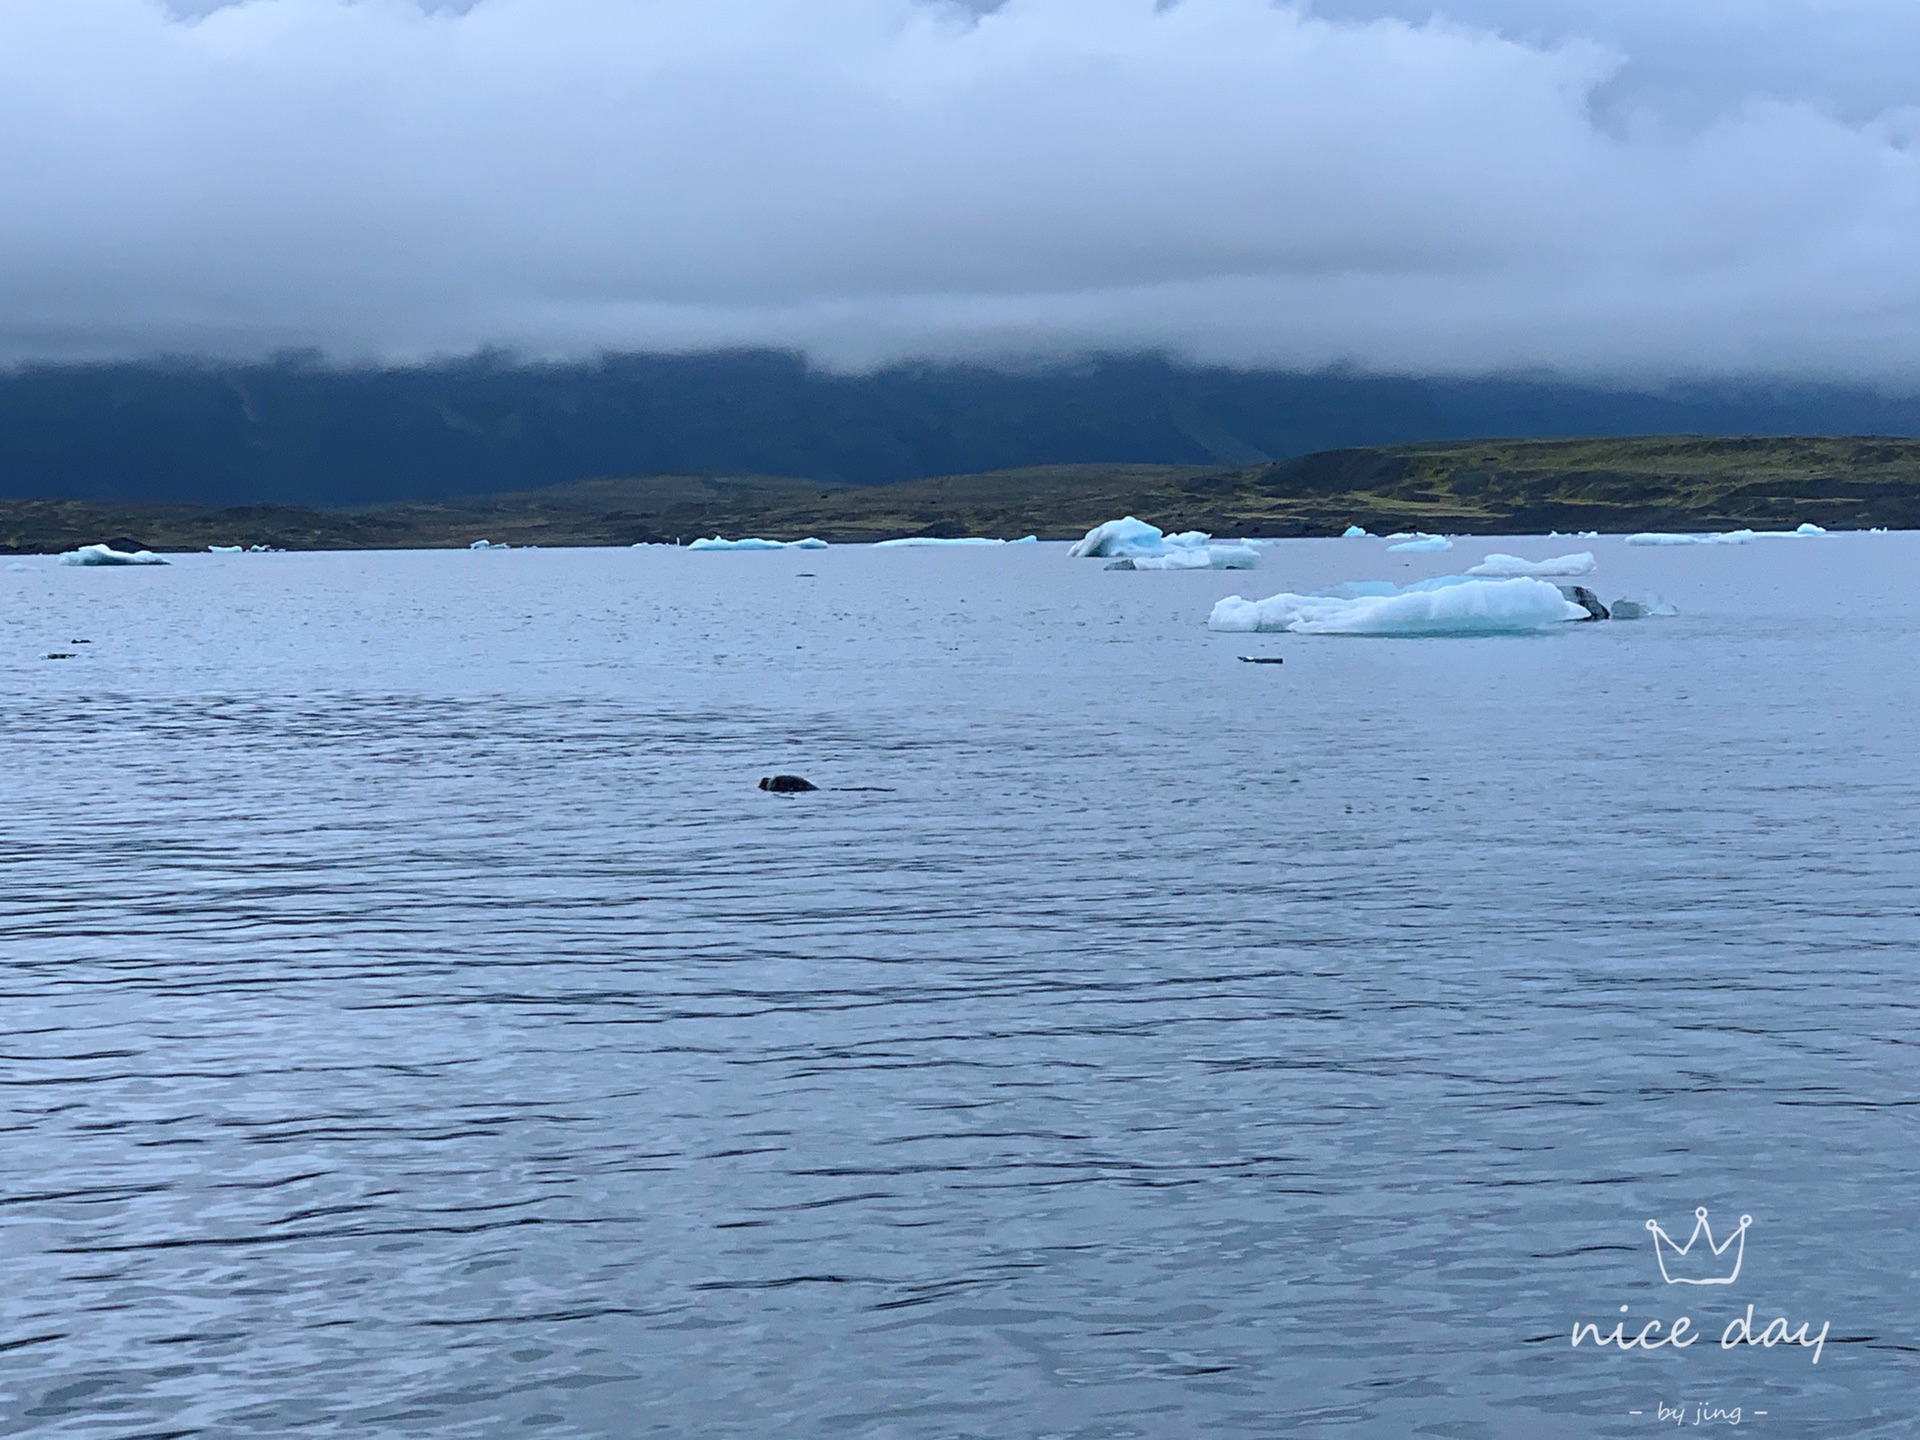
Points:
(1481, 486)
(300, 432)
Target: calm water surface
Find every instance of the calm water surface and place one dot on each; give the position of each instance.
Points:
(413, 1021)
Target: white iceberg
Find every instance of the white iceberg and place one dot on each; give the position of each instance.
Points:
(1423, 542)
(1132, 537)
(1807, 527)
(226, 549)
(923, 541)
(1355, 532)
(487, 545)
(1196, 557)
(1507, 566)
(105, 555)
(717, 543)
(1463, 607)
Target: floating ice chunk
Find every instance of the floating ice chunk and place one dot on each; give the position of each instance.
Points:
(1509, 565)
(924, 541)
(1626, 609)
(226, 549)
(1131, 536)
(105, 555)
(1807, 527)
(1726, 537)
(1203, 557)
(487, 545)
(1354, 532)
(1467, 607)
(717, 543)
(1423, 542)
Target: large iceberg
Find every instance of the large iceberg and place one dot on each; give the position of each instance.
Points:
(1507, 566)
(1140, 546)
(1132, 537)
(717, 543)
(1457, 607)
(1355, 532)
(925, 541)
(106, 555)
(1423, 542)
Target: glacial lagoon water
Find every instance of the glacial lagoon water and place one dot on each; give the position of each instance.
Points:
(414, 1021)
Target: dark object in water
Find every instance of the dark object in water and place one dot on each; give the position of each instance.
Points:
(62, 655)
(1586, 599)
(1263, 659)
(786, 784)
(126, 545)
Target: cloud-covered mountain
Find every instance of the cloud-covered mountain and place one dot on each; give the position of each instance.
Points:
(300, 432)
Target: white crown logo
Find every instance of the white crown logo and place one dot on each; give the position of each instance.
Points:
(1709, 1265)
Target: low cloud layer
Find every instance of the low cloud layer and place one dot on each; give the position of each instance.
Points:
(1472, 185)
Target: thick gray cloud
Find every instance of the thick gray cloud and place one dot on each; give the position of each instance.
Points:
(1622, 188)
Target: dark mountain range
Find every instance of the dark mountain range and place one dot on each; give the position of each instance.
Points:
(299, 432)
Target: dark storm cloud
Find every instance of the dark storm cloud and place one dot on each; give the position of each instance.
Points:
(1628, 189)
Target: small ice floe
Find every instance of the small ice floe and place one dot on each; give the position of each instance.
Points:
(226, 549)
(487, 545)
(107, 555)
(279, 549)
(1630, 609)
(1454, 606)
(1419, 542)
(1511, 565)
(718, 543)
(924, 541)
(1130, 536)
(1355, 532)
(1725, 537)
(1195, 557)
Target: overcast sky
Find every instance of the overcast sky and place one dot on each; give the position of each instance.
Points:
(1628, 188)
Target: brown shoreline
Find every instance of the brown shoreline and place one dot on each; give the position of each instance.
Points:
(1486, 487)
